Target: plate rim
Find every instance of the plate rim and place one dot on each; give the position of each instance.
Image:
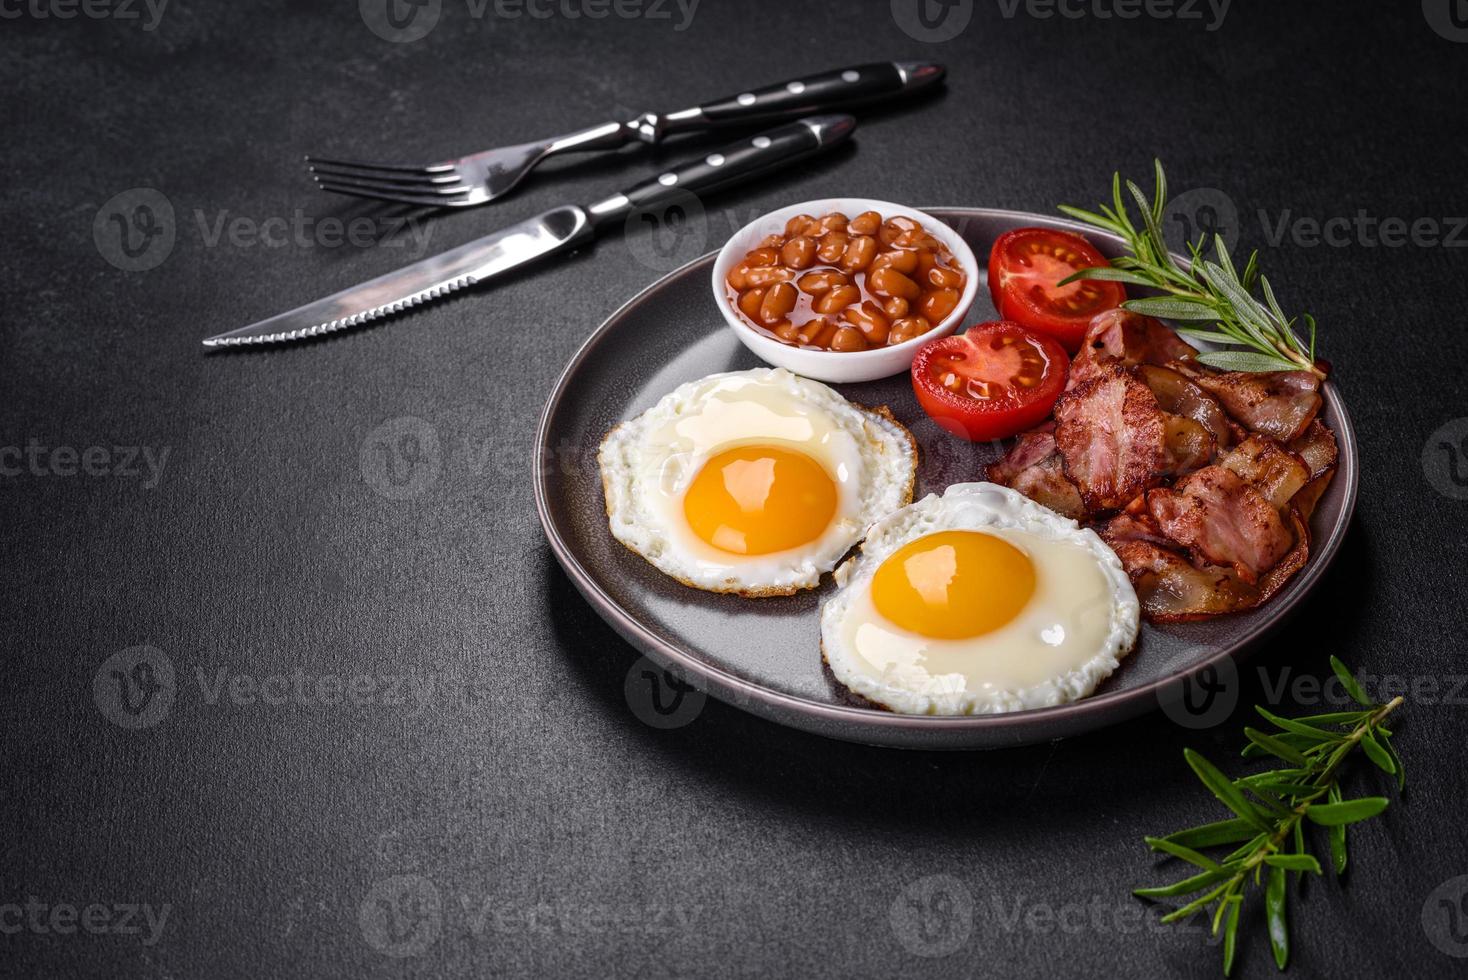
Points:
(1113, 707)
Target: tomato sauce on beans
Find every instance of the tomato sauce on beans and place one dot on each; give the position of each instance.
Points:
(846, 284)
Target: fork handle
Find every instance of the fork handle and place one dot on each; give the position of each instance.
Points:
(750, 157)
(827, 90)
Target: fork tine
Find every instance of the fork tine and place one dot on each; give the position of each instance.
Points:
(395, 188)
(398, 197)
(437, 168)
(406, 181)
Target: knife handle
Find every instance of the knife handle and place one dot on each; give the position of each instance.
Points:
(750, 157)
(827, 90)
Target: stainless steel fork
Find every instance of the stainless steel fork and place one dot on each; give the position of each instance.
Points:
(481, 177)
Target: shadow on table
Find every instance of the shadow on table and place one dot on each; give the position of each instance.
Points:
(1075, 780)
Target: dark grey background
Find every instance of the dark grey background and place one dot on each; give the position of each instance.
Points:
(552, 831)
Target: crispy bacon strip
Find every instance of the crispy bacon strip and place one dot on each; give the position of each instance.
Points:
(1223, 519)
(1123, 338)
(1171, 589)
(1279, 404)
(1318, 451)
(1276, 472)
(1112, 439)
(1033, 467)
(1177, 395)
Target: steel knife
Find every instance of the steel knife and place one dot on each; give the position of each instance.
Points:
(555, 231)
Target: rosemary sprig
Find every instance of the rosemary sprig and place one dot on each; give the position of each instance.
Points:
(1271, 810)
(1207, 290)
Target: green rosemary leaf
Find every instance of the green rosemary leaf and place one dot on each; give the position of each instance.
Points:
(1172, 309)
(1206, 336)
(1377, 754)
(1401, 769)
(1231, 933)
(1242, 360)
(1334, 718)
(1092, 218)
(1274, 905)
(1179, 851)
(1274, 746)
(1212, 834)
(1159, 195)
(1348, 681)
(1184, 887)
(1220, 786)
(1337, 835)
(1299, 728)
(1294, 862)
(1351, 811)
(1108, 273)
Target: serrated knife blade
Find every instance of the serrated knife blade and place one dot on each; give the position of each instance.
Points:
(421, 282)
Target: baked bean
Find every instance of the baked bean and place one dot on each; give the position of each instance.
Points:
(869, 319)
(837, 300)
(817, 332)
(799, 225)
(835, 221)
(893, 228)
(865, 223)
(738, 277)
(842, 284)
(934, 307)
(832, 246)
(848, 338)
(941, 278)
(750, 302)
(889, 282)
(799, 252)
(816, 283)
(780, 300)
(765, 275)
(908, 328)
(859, 253)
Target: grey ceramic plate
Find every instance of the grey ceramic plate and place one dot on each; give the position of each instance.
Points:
(763, 655)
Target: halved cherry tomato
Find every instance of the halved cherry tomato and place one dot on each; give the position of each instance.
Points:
(994, 380)
(1024, 267)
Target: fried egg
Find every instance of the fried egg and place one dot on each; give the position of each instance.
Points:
(977, 602)
(753, 482)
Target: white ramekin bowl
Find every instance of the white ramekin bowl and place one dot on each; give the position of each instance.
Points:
(839, 366)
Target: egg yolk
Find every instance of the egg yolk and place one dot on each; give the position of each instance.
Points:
(953, 584)
(755, 500)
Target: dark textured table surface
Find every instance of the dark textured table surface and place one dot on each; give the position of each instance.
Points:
(395, 740)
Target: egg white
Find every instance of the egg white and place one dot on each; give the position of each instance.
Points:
(889, 666)
(648, 463)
